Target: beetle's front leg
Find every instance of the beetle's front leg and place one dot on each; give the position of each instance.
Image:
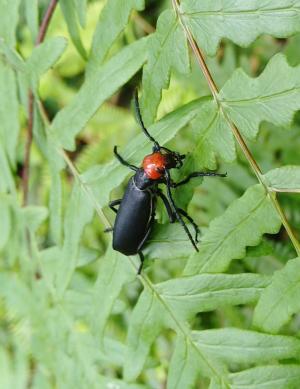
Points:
(122, 160)
(195, 175)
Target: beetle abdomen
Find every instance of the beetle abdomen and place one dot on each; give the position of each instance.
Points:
(132, 220)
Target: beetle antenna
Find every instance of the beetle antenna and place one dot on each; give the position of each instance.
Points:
(141, 122)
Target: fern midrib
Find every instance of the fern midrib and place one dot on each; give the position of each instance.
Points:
(213, 293)
(247, 347)
(267, 383)
(260, 98)
(207, 130)
(255, 12)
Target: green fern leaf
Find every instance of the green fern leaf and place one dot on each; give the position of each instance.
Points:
(112, 21)
(242, 225)
(214, 137)
(265, 377)
(9, 15)
(241, 347)
(187, 362)
(32, 17)
(79, 212)
(168, 50)
(5, 221)
(114, 271)
(96, 89)
(11, 57)
(284, 179)
(69, 10)
(80, 6)
(173, 302)
(168, 241)
(9, 110)
(240, 21)
(280, 300)
(43, 57)
(249, 101)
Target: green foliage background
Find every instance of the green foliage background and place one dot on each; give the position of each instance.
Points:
(73, 313)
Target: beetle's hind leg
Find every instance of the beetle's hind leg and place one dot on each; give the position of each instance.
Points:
(122, 160)
(113, 203)
(139, 251)
(142, 258)
(172, 215)
(175, 209)
(191, 220)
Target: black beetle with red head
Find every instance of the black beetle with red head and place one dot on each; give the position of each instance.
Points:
(136, 212)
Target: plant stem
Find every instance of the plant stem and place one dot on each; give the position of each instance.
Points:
(199, 55)
(45, 22)
(215, 92)
(26, 167)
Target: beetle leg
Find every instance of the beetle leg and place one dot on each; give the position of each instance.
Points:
(190, 219)
(122, 161)
(172, 216)
(139, 251)
(167, 206)
(141, 255)
(142, 258)
(197, 174)
(113, 203)
(176, 213)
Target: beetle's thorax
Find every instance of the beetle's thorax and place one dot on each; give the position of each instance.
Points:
(154, 165)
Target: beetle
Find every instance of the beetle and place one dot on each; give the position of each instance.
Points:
(136, 213)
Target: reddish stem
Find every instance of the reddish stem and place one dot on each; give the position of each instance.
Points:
(45, 22)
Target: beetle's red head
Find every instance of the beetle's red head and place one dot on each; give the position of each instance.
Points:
(156, 163)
